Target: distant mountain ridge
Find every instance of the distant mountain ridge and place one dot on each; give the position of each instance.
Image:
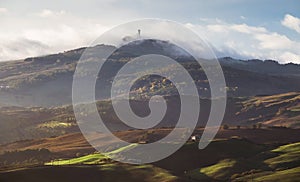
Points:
(47, 80)
(266, 66)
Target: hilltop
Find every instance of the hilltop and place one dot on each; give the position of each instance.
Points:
(47, 80)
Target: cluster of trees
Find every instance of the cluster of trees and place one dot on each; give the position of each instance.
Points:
(254, 126)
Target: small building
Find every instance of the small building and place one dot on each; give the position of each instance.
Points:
(195, 138)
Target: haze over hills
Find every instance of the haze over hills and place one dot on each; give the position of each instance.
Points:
(271, 67)
(38, 129)
(258, 91)
(46, 80)
(18, 123)
(99, 91)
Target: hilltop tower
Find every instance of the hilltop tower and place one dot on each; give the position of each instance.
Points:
(139, 33)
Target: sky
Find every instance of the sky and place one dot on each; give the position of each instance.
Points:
(252, 29)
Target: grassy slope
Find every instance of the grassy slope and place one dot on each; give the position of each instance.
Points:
(235, 147)
(288, 156)
(232, 159)
(104, 172)
(92, 158)
(275, 110)
(284, 166)
(218, 170)
(88, 159)
(291, 175)
(225, 169)
(93, 173)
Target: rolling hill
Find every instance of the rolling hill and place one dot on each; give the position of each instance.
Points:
(46, 80)
(240, 160)
(19, 123)
(259, 139)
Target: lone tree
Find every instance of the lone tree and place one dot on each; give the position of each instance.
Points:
(225, 127)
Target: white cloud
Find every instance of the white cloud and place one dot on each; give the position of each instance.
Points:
(3, 10)
(289, 57)
(245, 41)
(243, 18)
(21, 48)
(243, 28)
(36, 42)
(56, 30)
(63, 31)
(291, 22)
(50, 31)
(46, 13)
(274, 41)
(217, 28)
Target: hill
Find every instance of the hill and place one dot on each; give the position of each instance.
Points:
(240, 160)
(19, 123)
(274, 110)
(46, 80)
(74, 144)
(92, 173)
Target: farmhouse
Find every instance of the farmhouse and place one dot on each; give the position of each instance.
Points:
(195, 138)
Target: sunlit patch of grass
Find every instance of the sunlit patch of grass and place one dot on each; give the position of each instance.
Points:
(294, 147)
(121, 149)
(88, 159)
(285, 160)
(295, 109)
(218, 168)
(288, 175)
(288, 156)
(96, 158)
(221, 170)
(56, 124)
(283, 167)
(134, 172)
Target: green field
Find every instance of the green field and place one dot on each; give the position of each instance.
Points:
(241, 160)
(95, 158)
(280, 164)
(262, 165)
(288, 156)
